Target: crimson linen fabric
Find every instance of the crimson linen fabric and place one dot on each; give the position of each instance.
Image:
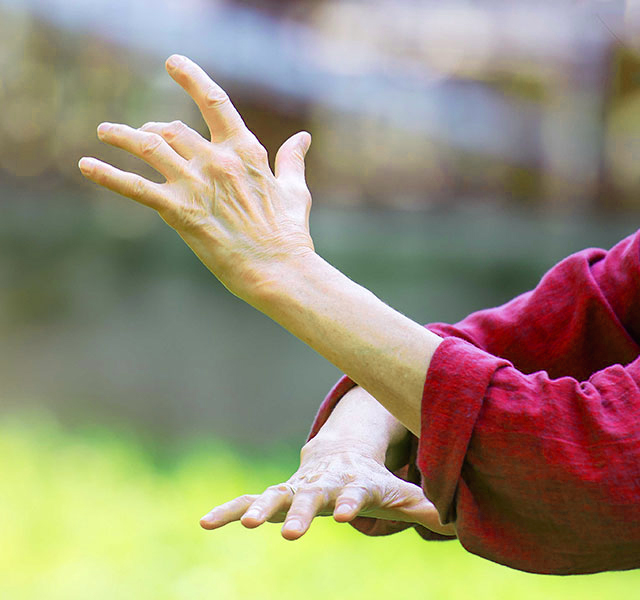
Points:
(530, 432)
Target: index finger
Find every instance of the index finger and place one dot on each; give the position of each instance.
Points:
(222, 118)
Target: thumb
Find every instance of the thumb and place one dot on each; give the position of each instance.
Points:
(289, 162)
(427, 515)
(409, 504)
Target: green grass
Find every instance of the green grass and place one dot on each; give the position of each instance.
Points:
(96, 515)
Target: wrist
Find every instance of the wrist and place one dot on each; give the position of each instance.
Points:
(326, 443)
(257, 277)
(360, 420)
(275, 284)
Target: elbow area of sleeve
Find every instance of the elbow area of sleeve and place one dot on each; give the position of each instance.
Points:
(456, 383)
(539, 474)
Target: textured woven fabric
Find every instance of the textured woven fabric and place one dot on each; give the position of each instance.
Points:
(530, 435)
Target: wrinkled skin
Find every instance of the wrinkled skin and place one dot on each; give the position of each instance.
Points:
(346, 481)
(220, 194)
(243, 221)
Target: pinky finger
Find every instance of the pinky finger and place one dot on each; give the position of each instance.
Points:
(127, 184)
(227, 512)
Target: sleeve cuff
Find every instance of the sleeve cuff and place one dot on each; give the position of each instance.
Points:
(456, 384)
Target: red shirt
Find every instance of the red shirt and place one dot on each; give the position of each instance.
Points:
(530, 436)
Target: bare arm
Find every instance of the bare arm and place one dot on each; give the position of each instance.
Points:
(359, 419)
(249, 226)
(385, 352)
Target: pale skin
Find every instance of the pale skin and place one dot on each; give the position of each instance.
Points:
(344, 471)
(250, 227)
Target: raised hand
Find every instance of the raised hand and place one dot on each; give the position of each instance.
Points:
(250, 227)
(344, 480)
(219, 195)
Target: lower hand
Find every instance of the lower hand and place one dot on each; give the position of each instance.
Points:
(344, 480)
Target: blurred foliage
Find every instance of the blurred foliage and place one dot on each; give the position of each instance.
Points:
(97, 514)
(565, 116)
(106, 317)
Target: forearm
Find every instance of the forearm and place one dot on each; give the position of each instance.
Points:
(360, 420)
(251, 228)
(383, 351)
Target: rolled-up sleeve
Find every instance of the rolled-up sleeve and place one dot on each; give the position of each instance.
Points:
(539, 474)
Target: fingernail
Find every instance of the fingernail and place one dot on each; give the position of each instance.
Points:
(104, 127)
(174, 60)
(86, 163)
(293, 526)
(252, 514)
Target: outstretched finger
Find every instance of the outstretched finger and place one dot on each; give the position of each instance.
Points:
(349, 503)
(184, 140)
(127, 184)
(274, 500)
(227, 512)
(150, 147)
(220, 115)
(305, 507)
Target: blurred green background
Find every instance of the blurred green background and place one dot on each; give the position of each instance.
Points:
(459, 150)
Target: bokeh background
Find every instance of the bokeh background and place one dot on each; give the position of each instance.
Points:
(459, 150)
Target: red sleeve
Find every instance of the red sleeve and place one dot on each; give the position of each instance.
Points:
(579, 319)
(539, 474)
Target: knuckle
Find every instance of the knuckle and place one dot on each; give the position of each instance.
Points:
(137, 188)
(357, 489)
(150, 144)
(314, 477)
(281, 488)
(348, 476)
(174, 130)
(226, 163)
(215, 97)
(253, 151)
